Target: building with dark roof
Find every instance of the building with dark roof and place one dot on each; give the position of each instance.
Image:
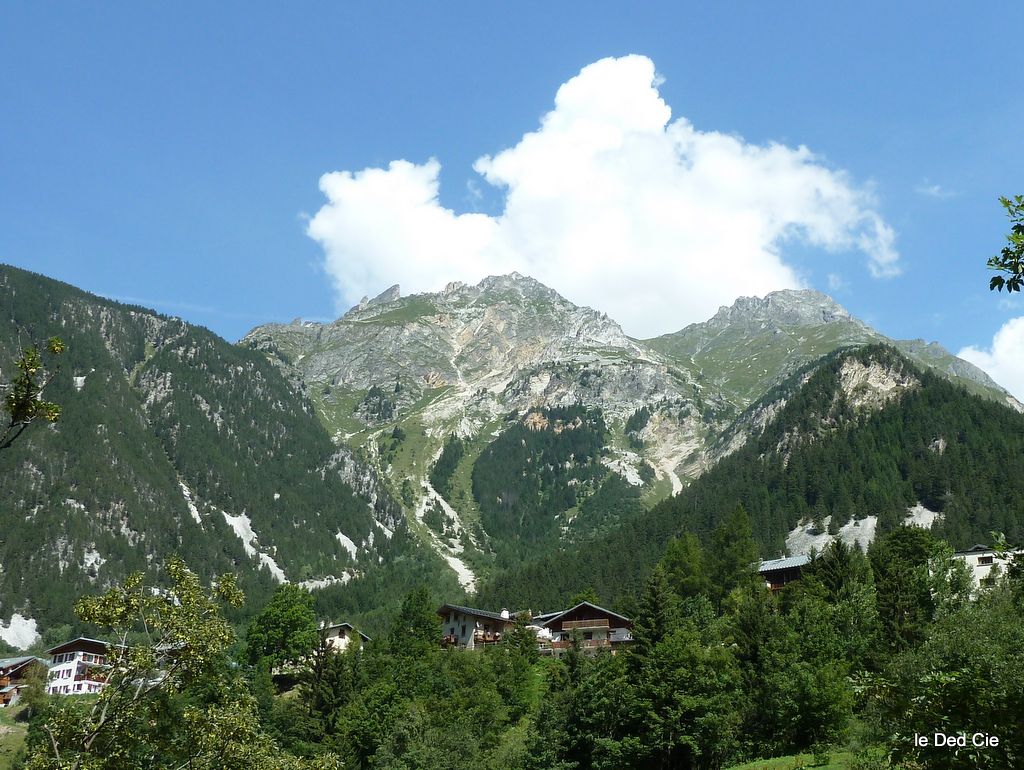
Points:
(12, 677)
(469, 627)
(778, 572)
(77, 667)
(341, 635)
(597, 628)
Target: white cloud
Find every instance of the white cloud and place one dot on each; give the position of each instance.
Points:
(836, 282)
(1004, 360)
(934, 190)
(612, 203)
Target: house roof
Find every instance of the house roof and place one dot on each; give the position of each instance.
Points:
(784, 563)
(12, 663)
(557, 615)
(445, 608)
(348, 627)
(81, 643)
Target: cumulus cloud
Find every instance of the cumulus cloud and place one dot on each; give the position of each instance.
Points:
(1004, 360)
(612, 203)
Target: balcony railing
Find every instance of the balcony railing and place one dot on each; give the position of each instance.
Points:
(585, 644)
(569, 625)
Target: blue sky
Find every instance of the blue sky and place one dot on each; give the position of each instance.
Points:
(171, 155)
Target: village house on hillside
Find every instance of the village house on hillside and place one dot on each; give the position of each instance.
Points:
(778, 572)
(597, 627)
(76, 667)
(341, 635)
(13, 672)
(983, 561)
(468, 627)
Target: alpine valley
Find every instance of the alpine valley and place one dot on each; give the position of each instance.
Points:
(494, 440)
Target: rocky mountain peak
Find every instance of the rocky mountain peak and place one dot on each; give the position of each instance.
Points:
(788, 307)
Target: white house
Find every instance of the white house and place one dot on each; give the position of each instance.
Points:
(468, 627)
(341, 635)
(77, 667)
(982, 560)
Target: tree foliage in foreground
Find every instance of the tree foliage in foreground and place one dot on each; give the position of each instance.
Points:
(23, 401)
(171, 700)
(1011, 259)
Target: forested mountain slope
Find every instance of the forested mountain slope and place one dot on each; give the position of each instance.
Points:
(174, 441)
(862, 433)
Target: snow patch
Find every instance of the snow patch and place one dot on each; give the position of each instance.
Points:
(79, 382)
(189, 502)
(347, 544)
(919, 516)
(20, 632)
(242, 527)
(802, 539)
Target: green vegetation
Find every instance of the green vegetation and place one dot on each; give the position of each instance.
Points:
(809, 677)
(539, 467)
(285, 630)
(444, 468)
(12, 736)
(23, 401)
(1011, 259)
(151, 404)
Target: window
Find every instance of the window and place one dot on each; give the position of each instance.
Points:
(463, 629)
(588, 635)
(982, 560)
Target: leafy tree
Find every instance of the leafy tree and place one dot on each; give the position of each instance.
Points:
(169, 700)
(658, 614)
(23, 401)
(1011, 259)
(899, 561)
(968, 676)
(284, 631)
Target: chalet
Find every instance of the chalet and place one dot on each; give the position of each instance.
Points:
(468, 627)
(341, 635)
(12, 677)
(76, 667)
(982, 560)
(778, 572)
(597, 627)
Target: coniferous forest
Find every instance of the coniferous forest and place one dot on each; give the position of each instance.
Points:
(845, 664)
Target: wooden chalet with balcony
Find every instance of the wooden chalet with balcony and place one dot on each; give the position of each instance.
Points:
(597, 629)
(12, 677)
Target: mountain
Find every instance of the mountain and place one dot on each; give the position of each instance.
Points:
(494, 438)
(396, 376)
(174, 441)
(759, 340)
